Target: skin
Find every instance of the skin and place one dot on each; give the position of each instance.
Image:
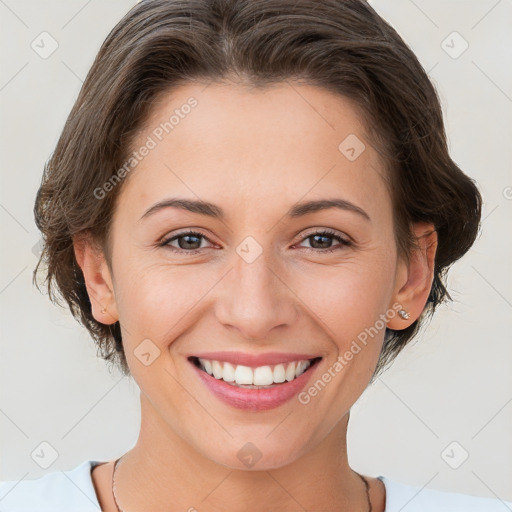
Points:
(254, 153)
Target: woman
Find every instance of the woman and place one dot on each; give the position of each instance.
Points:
(251, 208)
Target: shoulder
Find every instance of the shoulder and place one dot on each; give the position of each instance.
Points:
(58, 491)
(409, 498)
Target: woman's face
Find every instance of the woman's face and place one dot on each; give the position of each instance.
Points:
(254, 280)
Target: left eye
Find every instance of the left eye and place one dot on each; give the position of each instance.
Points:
(190, 242)
(322, 237)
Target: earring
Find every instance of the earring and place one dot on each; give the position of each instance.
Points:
(103, 310)
(404, 314)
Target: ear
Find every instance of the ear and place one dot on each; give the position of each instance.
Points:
(98, 279)
(414, 280)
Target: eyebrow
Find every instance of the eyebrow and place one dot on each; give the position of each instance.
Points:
(214, 211)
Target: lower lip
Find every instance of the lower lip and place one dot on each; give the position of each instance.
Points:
(261, 399)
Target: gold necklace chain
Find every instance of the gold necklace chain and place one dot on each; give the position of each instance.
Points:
(121, 510)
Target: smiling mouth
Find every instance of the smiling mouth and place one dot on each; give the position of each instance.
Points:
(254, 378)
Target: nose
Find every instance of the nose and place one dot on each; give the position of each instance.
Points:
(256, 298)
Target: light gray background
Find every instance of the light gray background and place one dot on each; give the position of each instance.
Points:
(454, 384)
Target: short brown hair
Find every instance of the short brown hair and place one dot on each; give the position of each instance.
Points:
(341, 45)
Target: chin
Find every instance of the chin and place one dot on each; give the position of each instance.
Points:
(258, 452)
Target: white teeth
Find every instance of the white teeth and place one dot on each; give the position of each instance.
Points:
(279, 373)
(207, 366)
(243, 375)
(217, 369)
(260, 376)
(290, 372)
(229, 372)
(263, 376)
(302, 367)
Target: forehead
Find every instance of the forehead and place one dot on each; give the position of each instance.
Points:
(237, 144)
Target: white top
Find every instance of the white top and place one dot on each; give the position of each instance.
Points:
(73, 491)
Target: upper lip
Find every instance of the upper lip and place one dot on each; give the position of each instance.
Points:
(254, 360)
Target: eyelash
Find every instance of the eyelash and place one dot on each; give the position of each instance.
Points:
(326, 232)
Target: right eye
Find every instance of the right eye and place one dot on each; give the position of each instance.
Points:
(192, 238)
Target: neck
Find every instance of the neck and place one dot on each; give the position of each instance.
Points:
(162, 469)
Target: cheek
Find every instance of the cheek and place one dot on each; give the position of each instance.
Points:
(159, 303)
(348, 298)
(157, 299)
